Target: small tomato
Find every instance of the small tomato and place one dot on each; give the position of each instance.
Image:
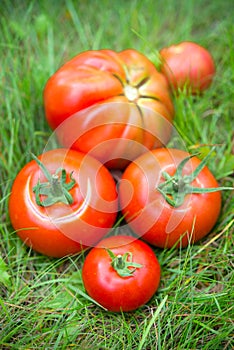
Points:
(188, 65)
(121, 273)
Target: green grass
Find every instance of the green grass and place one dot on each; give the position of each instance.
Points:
(42, 300)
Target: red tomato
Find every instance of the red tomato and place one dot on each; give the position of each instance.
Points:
(160, 199)
(118, 101)
(67, 210)
(188, 65)
(121, 273)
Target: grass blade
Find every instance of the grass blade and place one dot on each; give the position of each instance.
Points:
(153, 319)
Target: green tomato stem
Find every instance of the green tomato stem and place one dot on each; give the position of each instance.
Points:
(56, 189)
(123, 264)
(175, 188)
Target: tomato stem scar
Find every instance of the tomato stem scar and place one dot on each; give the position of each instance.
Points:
(131, 92)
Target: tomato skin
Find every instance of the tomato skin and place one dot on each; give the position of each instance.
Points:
(117, 293)
(189, 65)
(151, 216)
(104, 88)
(62, 229)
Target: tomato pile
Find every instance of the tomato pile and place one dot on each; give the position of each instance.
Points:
(113, 111)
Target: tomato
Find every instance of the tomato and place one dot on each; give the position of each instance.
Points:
(169, 197)
(115, 100)
(64, 204)
(121, 273)
(188, 65)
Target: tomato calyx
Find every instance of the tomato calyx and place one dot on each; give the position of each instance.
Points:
(123, 264)
(56, 189)
(176, 187)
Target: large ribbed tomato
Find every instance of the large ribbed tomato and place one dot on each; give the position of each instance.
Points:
(114, 105)
(65, 203)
